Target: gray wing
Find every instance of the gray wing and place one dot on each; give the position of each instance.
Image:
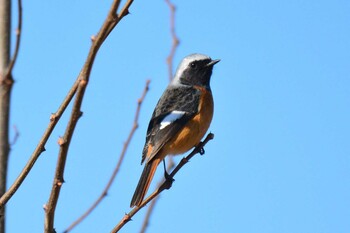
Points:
(185, 99)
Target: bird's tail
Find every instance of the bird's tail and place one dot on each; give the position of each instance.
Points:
(144, 182)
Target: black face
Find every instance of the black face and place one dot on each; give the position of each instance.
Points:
(198, 73)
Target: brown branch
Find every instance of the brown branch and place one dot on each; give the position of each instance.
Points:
(6, 82)
(116, 169)
(111, 21)
(54, 118)
(18, 40)
(165, 185)
(175, 39)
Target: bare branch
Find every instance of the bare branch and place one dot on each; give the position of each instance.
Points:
(165, 185)
(111, 21)
(40, 147)
(6, 82)
(175, 39)
(116, 169)
(18, 40)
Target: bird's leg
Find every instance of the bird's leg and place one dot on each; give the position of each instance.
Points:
(201, 150)
(167, 177)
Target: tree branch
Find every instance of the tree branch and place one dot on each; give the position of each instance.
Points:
(54, 118)
(165, 185)
(6, 82)
(175, 39)
(18, 40)
(111, 21)
(116, 169)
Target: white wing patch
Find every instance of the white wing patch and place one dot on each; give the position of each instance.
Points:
(170, 118)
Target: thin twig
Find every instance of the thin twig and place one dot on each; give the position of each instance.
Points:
(111, 21)
(169, 61)
(16, 136)
(18, 40)
(175, 39)
(165, 185)
(6, 83)
(116, 169)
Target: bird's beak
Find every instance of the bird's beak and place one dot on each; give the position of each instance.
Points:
(213, 62)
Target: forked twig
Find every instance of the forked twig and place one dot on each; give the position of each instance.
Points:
(116, 169)
(165, 185)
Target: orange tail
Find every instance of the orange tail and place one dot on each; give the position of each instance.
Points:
(144, 182)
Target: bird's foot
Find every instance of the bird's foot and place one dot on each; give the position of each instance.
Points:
(168, 178)
(201, 151)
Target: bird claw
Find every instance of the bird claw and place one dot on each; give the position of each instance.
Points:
(168, 177)
(168, 180)
(201, 151)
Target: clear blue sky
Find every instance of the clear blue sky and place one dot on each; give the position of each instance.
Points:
(280, 160)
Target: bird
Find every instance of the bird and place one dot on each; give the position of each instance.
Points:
(180, 119)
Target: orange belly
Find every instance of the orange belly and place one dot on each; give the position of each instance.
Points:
(195, 129)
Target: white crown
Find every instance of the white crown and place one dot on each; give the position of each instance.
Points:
(185, 63)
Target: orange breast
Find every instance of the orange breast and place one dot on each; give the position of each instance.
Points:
(194, 131)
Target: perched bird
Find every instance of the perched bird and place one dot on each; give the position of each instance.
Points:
(181, 118)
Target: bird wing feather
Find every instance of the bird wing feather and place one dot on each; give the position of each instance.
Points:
(184, 100)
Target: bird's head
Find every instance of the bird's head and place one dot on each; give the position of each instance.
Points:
(195, 69)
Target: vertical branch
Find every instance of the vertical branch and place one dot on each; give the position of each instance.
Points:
(64, 146)
(6, 82)
(5, 91)
(175, 39)
(116, 170)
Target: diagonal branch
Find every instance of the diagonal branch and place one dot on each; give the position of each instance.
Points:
(165, 185)
(116, 170)
(111, 21)
(54, 118)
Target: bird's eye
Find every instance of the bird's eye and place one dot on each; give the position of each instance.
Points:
(193, 65)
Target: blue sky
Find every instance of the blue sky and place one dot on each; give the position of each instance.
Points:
(280, 160)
